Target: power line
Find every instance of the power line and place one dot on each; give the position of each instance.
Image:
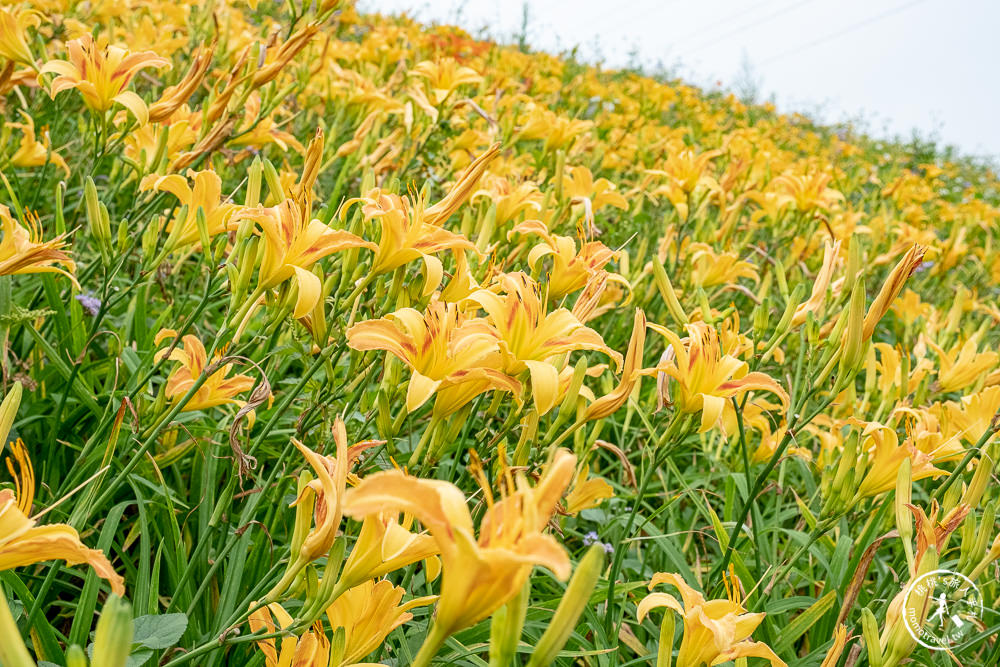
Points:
(747, 26)
(706, 28)
(844, 31)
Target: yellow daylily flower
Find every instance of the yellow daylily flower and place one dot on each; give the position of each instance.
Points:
(971, 415)
(479, 575)
(292, 245)
(444, 76)
(328, 490)
(312, 649)
(579, 184)
(23, 251)
(14, 24)
(33, 153)
(531, 337)
(510, 199)
(206, 195)
(715, 631)
(772, 205)
(963, 366)
(367, 613)
(808, 192)
(410, 231)
(23, 543)
(687, 169)
(557, 130)
(571, 269)
(218, 389)
(101, 73)
(706, 375)
(587, 492)
(385, 545)
(181, 129)
(710, 268)
(883, 454)
(450, 353)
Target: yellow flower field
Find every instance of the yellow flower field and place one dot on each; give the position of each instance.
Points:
(337, 339)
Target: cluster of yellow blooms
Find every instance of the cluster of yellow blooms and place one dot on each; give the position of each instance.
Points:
(483, 261)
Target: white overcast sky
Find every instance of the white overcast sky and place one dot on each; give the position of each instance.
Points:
(929, 65)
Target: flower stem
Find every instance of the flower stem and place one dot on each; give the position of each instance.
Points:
(432, 644)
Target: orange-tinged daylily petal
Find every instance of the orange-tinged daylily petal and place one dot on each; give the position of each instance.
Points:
(23, 543)
(23, 251)
(479, 575)
(219, 389)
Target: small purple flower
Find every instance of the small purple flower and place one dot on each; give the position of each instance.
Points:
(90, 303)
(608, 548)
(590, 538)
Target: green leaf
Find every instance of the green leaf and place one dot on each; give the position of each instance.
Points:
(159, 631)
(803, 622)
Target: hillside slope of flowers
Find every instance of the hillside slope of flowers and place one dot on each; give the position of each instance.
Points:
(333, 339)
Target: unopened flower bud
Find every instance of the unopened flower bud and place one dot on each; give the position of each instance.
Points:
(113, 639)
(574, 601)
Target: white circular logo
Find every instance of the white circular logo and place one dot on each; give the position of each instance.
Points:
(941, 609)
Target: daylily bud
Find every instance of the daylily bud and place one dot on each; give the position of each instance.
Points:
(904, 520)
(980, 479)
(560, 168)
(991, 555)
(853, 343)
(892, 287)
(13, 652)
(8, 411)
(113, 639)
(760, 319)
(506, 626)
(568, 407)
(665, 643)
(574, 601)
(668, 294)
(951, 498)
(529, 432)
(779, 273)
(789, 314)
(202, 222)
(75, 657)
(854, 261)
(254, 176)
(383, 416)
(485, 234)
(97, 219)
(975, 543)
(150, 239)
(303, 513)
(275, 189)
(869, 631)
(848, 461)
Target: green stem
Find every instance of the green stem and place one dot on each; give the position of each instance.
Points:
(432, 644)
